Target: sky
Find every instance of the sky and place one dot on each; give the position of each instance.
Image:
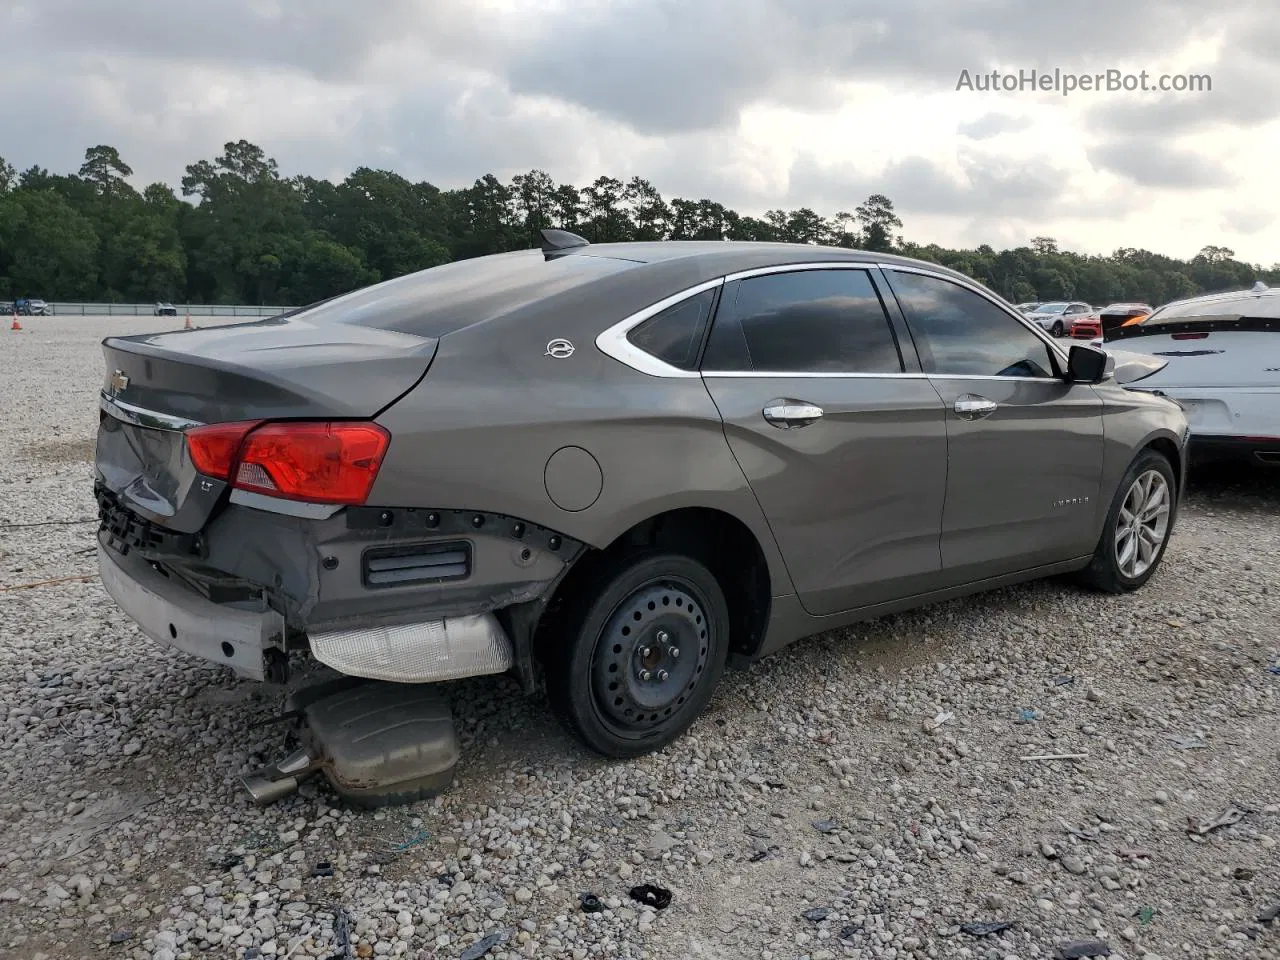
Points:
(758, 104)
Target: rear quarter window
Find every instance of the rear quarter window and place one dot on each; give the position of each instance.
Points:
(674, 336)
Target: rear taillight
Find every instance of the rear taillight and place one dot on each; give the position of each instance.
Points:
(326, 462)
(213, 448)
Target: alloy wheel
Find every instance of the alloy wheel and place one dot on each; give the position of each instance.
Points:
(1143, 523)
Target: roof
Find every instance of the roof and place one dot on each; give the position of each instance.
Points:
(745, 254)
(598, 280)
(1228, 304)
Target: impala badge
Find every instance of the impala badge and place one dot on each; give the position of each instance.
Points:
(117, 383)
(1071, 502)
(560, 349)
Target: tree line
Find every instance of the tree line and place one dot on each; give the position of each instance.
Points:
(242, 233)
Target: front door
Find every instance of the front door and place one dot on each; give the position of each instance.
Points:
(1025, 447)
(843, 443)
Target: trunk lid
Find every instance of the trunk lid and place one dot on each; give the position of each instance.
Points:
(284, 368)
(1210, 358)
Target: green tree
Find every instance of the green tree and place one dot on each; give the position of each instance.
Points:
(878, 221)
(650, 214)
(240, 232)
(608, 220)
(47, 249)
(104, 169)
(238, 236)
(147, 261)
(805, 226)
(318, 267)
(534, 194)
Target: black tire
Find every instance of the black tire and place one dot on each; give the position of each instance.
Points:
(1058, 329)
(613, 697)
(1105, 572)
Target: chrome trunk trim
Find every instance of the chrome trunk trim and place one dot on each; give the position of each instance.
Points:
(140, 417)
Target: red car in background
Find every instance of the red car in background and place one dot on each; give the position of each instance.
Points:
(1120, 315)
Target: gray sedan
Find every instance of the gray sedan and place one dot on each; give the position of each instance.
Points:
(614, 469)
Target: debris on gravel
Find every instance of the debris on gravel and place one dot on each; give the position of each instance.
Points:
(813, 812)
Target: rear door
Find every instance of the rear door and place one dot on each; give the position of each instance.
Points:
(838, 431)
(1025, 447)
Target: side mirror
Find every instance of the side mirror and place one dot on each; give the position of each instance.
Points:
(1089, 364)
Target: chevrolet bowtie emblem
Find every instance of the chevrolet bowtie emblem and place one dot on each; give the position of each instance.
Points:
(117, 382)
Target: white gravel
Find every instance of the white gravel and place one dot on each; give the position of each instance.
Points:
(122, 819)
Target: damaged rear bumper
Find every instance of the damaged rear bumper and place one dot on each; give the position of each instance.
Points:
(170, 612)
(411, 596)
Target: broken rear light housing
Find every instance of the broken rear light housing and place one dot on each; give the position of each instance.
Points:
(314, 461)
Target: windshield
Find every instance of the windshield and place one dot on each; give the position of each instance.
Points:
(1051, 308)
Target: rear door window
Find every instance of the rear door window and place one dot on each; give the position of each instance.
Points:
(803, 321)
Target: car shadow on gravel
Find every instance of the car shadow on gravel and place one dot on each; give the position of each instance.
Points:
(1234, 487)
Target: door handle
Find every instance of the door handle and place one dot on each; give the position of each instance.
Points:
(971, 407)
(787, 414)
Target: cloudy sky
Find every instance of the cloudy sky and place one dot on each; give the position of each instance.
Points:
(756, 103)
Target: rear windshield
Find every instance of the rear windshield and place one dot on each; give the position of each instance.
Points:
(438, 301)
(1227, 309)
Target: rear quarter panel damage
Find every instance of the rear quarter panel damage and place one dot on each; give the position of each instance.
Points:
(478, 432)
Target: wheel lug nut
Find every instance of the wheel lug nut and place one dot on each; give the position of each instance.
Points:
(645, 675)
(646, 652)
(662, 676)
(663, 636)
(673, 653)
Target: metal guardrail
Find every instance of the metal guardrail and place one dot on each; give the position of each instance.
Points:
(149, 309)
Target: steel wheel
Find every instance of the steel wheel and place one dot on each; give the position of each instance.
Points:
(650, 655)
(1143, 523)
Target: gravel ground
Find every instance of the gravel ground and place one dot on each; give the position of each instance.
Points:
(814, 812)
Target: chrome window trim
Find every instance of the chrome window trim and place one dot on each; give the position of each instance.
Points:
(613, 342)
(289, 508)
(975, 288)
(141, 417)
(796, 267)
(811, 375)
(819, 375)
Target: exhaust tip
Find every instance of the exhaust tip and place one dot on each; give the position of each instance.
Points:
(264, 791)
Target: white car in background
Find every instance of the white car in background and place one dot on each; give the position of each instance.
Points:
(1056, 316)
(1221, 356)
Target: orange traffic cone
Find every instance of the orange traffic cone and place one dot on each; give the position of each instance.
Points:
(15, 325)
(187, 325)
